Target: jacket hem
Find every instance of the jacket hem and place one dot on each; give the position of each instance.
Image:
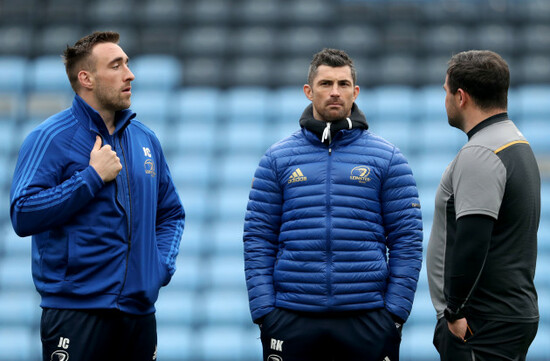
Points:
(101, 302)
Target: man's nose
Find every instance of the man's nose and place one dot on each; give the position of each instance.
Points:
(130, 76)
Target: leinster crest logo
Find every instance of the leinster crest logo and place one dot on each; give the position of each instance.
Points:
(360, 174)
(60, 355)
(150, 167)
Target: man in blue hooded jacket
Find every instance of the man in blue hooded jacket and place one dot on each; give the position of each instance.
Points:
(333, 231)
(93, 189)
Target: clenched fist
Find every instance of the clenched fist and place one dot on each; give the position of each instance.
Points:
(105, 161)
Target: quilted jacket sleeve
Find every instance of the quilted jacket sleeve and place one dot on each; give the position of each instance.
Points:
(261, 233)
(403, 227)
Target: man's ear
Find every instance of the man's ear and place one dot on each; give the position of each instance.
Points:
(463, 97)
(308, 91)
(85, 79)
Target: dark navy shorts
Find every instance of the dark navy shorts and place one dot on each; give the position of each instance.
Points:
(359, 336)
(490, 340)
(93, 335)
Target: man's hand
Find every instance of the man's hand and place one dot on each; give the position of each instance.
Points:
(105, 161)
(459, 328)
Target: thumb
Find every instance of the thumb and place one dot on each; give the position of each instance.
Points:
(97, 144)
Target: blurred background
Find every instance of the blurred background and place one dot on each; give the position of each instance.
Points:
(219, 81)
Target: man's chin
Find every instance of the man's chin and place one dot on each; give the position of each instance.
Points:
(332, 117)
(120, 107)
(124, 105)
(455, 123)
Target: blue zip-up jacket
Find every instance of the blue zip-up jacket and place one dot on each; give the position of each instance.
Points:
(96, 245)
(333, 228)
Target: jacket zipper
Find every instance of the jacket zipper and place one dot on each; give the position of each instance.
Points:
(129, 216)
(329, 226)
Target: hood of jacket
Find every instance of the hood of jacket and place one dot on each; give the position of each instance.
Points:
(326, 131)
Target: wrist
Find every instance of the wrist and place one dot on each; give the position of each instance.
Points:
(452, 315)
(397, 319)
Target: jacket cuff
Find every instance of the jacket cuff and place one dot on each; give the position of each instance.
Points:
(259, 318)
(452, 315)
(92, 179)
(397, 319)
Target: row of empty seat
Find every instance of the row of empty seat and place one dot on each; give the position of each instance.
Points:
(177, 12)
(270, 42)
(296, 40)
(161, 79)
(280, 69)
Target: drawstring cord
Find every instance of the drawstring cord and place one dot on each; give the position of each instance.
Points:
(326, 134)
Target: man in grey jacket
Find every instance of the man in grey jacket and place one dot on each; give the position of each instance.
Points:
(483, 246)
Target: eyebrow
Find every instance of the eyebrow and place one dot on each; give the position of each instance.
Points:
(337, 80)
(118, 59)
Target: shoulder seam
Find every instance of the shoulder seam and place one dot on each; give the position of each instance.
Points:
(510, 144)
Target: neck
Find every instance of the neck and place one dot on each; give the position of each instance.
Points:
(108, 116)
(109, 119)
(476, 116)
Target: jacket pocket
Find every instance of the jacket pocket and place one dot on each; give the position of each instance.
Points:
(78, 258)
(392, 327)
(159, 277)
(164, 274)
(457, 339)
(72, 259)
(54, 257)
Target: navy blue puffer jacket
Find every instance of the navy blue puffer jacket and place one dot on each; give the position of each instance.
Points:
(333, 228)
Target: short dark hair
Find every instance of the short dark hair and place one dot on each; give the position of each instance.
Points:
(331, 57)
(77, 57)
(483, 74)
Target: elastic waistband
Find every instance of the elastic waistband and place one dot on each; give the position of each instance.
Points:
(332, 314)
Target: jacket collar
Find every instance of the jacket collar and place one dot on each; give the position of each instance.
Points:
(489, 121)
(91, 119)
(326, 131)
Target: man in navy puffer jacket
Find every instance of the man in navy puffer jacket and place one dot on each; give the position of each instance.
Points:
(93, 189)
(333, 231)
